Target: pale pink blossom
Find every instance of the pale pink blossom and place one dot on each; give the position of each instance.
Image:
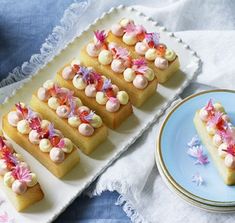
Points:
(197, 178)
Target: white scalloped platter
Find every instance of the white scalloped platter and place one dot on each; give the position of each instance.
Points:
(60, 193)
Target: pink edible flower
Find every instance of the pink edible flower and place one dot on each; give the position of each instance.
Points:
(58, 90)
(227, 135)
(70, 94)
(61, 144)
(72, 105)
(2, 143)
(35, 124)
(23, 111)
(85, 72)
(195, 141)
(106, 85)
(51, 130)
(63, 92)
(21, 173)
(31, 114)
(152, 39)
(197, 152)
(140, 65)
(89, 117)
(231, 149)
(4, 218)
(140, 62)
(19, 107)
(215, 119)
(120, 53)
(197, 178)
(100, 36)
(96, 76)
(209, 107)
(11, 158)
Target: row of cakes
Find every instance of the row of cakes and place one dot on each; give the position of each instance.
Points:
(116, 70)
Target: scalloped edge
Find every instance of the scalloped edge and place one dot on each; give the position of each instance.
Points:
(164, 107)
(158, 114)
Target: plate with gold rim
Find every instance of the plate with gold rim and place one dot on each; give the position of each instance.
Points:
(190, 200)
(176, 131)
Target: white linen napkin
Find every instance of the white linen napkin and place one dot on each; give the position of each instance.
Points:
(144, 196)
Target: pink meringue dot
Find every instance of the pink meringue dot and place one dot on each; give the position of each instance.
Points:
(90, 90)
(117, 30)
(161, 63)
(141, 48)
(68, 73)
(34, 137)
(57, 155)
(118, 66)
(63, 111)
(140, 82)
(93, 49)
(112, 105)
(14, 117)
(43, 94)
(19, 187)
(86, 129)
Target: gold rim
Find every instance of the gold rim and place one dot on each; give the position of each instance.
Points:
(163, 166)
(188, 199)
(198, 204)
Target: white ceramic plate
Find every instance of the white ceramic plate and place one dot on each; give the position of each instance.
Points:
(60, 193)
(175, 162)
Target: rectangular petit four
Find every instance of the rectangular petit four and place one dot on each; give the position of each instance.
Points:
(70, 116)
(17, 181)
(161, 59)
(39, 137)
(110, 59)
(97, 92)
(218, 135)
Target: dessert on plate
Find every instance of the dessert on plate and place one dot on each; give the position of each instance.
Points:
(218, 135)
(76, 121)
(114, 61)
(17, 181)
(97, 92)
(135, 38)
(39, 137)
